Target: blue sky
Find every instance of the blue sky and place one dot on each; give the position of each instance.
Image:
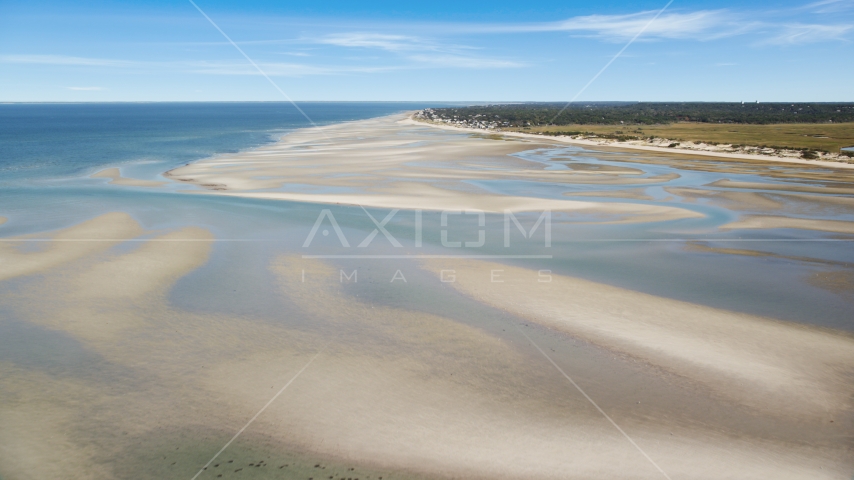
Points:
(437, 50)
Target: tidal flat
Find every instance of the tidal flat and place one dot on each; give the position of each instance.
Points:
(382, 299)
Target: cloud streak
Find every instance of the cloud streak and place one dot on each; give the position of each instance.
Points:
(389, 43)
(830, 6)
(67, 60)
(799, 34)
(767, 27)
(421, 52)
(703, 24)
(279, 69)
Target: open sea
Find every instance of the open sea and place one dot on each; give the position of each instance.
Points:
(60, 142)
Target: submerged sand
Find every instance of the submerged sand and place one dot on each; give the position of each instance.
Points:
(782, 368)
(704, 393)
(116, 178)
(770, 222)
(93, 236)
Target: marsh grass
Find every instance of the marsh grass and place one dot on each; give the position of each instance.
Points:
(797, 136)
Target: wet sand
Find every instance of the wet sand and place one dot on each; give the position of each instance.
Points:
(733, 200)
(634, 194)
(786, 188)
(748, 358)
(388, 163)
(117, 179)
(771, 222)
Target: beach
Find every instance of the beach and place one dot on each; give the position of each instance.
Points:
(382, 298)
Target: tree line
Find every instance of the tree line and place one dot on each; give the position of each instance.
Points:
(647, 113)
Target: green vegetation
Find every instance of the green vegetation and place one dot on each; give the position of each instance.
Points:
(806, 137)
(808, 127)
(614, 113)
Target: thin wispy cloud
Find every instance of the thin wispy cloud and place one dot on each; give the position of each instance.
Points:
(455, 61)
(67, 60)
(417, 52)
(830, 6)
(773, 26)
(702, 24)
(194, 66)
(799, 34)
(711, 25)
(767, 26)
(390, 43)
(280, 69)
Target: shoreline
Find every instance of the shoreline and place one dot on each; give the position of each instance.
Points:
(607, 144)
(384, 163)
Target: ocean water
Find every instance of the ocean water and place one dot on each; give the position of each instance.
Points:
(65, 141)
(48, 152)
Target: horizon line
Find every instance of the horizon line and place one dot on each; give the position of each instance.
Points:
(490, 102)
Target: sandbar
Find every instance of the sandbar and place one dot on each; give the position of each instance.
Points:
(770, 222)
(778, 367)
(389, 163)
(726, 183)
(65, 245)
(117, 179)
